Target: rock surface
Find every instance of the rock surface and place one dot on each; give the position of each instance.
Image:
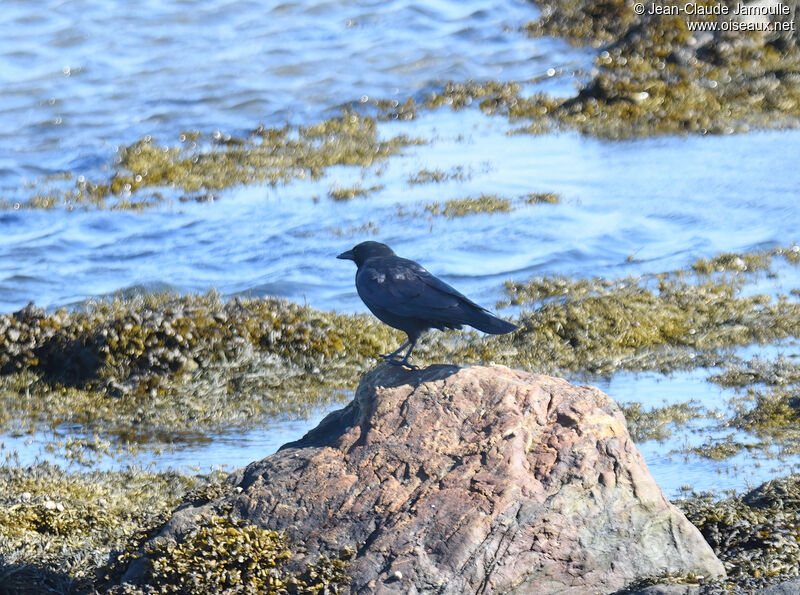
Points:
(791, 587)
(473, 480)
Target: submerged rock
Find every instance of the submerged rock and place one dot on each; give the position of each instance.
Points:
(466, 480)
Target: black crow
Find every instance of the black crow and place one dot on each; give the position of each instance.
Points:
(407, 297)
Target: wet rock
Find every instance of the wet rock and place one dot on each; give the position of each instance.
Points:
(791, 587)
(453, 480)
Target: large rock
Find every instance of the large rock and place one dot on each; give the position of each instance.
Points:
(474, 480)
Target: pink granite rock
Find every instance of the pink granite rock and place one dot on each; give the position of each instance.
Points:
(470, 480)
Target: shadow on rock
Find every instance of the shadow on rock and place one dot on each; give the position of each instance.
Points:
(358, 411)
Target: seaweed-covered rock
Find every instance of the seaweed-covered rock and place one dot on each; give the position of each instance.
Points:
(677, 72)
(757, 535)
(481, 479)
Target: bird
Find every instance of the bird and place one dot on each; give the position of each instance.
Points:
(402, 294)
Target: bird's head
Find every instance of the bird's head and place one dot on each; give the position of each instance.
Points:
(366, 250)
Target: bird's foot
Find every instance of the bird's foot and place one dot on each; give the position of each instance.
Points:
(399, 362)
(407, 365)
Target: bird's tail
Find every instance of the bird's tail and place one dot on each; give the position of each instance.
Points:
(489, 323)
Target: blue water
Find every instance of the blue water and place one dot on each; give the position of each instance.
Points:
(666, 202)
(81, 78)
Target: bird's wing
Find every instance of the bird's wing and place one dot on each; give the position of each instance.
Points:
(406, 289)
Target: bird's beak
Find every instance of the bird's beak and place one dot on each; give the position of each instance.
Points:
(347, 255)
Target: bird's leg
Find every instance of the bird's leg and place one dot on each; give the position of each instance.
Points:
(404, 360)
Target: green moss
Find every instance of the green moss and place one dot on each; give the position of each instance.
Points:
(202, 165)
(655, 423)
(460, 207)
(230, 556)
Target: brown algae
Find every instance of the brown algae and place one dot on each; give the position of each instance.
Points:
(70, 522)
(664, 325)
(459, 207)
(158, 366)
(76, 532)
(225, 555)
(162, 365)
(538, 198)
(721, 448)
(437, 176)
(145, 170)
(341, 194)
(461, 95)
(757, 535)
(487, 204)
(768, 404)
(655, 76)
(655, 423)
(781, 371)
